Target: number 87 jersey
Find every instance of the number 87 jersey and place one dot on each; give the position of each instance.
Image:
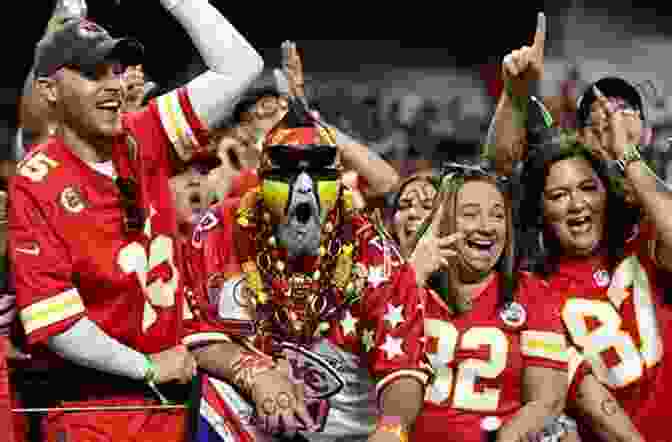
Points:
(479, 358)
(615, 319)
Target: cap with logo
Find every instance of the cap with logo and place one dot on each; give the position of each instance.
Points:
(82, 44)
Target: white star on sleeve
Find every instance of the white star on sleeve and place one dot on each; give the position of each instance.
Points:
(376, 276)
(392, 347)
(394, 315)
(348, 323)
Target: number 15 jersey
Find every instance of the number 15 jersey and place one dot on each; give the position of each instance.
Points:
(70, 254)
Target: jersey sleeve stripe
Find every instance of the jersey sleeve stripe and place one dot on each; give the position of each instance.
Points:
(52, 310)
(545, 345)
(175, 125)
(183, 127)
(201, 338)
(167, 118)
(198, 127)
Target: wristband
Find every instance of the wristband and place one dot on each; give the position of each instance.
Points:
(387, 424)
(150, 379)
(630, 155)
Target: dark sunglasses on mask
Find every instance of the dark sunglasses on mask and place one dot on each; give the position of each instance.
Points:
(317, 160)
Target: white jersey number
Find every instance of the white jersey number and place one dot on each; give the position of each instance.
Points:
(630, 279)
(461, 381)
(133, 259)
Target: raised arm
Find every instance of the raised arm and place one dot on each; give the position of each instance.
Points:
(655, 197)
(522, 69)
(232, 62)
(379, 175)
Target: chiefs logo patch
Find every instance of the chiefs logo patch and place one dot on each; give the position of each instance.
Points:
(314, 372)
(71, 200)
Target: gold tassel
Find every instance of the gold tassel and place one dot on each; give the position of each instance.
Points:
(343, 267)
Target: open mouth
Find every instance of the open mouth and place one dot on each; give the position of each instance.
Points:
(580, 224)
(196, 201)
(481, 246)
(111, 106)
(303, 212)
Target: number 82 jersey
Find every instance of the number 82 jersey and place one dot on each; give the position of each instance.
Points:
(479, 360)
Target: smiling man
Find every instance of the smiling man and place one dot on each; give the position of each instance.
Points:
(92, 224)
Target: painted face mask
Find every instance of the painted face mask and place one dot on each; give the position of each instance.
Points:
(289, 163)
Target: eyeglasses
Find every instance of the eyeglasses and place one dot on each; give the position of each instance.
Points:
(134, 215)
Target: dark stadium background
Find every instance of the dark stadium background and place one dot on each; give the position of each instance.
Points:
(336, 36)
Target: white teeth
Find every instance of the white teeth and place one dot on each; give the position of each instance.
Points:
(110, 105)
(483, 243)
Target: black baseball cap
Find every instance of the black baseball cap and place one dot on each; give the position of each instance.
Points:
(83, 44)
(611, 87)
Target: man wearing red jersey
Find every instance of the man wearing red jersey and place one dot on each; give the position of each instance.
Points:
(319, 259)
(92, 223)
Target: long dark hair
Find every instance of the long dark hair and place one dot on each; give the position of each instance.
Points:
(542, 248)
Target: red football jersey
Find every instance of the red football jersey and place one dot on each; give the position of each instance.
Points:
(71, 255)
(478, 359)
(618, 320)
(384, 279)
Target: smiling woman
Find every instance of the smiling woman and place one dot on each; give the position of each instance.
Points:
(469, 237)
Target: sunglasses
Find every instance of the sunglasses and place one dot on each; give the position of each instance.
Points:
(287, 162)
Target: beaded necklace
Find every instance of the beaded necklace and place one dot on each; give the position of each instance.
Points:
(295, 296)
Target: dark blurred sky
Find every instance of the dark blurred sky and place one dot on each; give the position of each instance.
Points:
(337, 36)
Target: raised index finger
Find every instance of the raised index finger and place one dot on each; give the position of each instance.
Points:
(540, 34)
